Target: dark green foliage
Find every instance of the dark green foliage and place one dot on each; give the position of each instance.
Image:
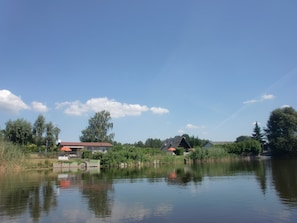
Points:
(195, 141)
(179, 151)
(18, 132)
(45, 134)
(210, 153)
(97, 130)
(86, 154)
(38, 130)
(242, 138)
(281, 131)
(258, 135)
(247, 147)
(153, 143)
(128, 154)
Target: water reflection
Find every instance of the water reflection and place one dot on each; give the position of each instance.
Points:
(148, 194)
(284, 174)
(27, 191)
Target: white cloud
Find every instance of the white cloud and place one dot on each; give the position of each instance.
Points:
(285, 106)
(191, 126)
(181, 131)
(116, 109)
(158, 110)
(262, 98)
(10, 102)
(250, 101)
(38, 106)
(267, 97)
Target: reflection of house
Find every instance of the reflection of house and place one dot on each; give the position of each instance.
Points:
(77, 147)
(176, 142)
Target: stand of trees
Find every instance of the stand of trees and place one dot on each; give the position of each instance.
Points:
(24, 133)
(281, 131)
(280, 134)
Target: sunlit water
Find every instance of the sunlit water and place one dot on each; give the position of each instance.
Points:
(258, 191)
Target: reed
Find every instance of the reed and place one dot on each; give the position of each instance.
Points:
(11, 156)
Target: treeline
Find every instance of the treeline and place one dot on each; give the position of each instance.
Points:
(279, 136)
(157, 143)
(40, 135)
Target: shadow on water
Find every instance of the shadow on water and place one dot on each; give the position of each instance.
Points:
(37, 192)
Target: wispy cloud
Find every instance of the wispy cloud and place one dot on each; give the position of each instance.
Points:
(262, 98)
(39, 107)
(191, 126)
(11, 103)
(116, 109)
(159, 110)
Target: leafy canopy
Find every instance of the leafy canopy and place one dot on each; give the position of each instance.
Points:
(99, 126)
(281, 131)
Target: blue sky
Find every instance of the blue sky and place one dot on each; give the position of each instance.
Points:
(161, 68)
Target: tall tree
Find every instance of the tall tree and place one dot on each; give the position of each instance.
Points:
(18, 131)
(281, 130)
(49, 135)
(257, 134)
(99, 126)
(39, 130)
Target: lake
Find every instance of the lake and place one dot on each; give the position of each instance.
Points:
(237, 191)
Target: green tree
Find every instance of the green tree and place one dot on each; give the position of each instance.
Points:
(195, 141)
(281, 131)
(257, 134)
(18, 131)
(153, 143)
(50, 136)
(39, 130)
(99, 126)
(242, 138)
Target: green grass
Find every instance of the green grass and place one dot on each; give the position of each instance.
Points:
(11, 156)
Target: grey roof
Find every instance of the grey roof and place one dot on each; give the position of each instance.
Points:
(176, 142)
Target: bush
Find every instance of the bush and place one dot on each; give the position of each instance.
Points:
(210, 153)
(86, 154)
(247, 147)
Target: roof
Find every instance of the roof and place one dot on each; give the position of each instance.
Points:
(177, 141)
(89, 144)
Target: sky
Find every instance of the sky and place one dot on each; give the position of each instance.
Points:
(210, 69)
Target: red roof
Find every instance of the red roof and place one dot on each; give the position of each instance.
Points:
(95, 144)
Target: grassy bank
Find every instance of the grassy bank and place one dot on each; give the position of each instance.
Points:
(11, 156)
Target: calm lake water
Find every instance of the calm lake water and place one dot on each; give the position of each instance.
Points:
(255, 191)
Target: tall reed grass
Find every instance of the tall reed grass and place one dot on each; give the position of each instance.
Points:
(11, 156)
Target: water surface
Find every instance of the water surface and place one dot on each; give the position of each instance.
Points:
(257, 191)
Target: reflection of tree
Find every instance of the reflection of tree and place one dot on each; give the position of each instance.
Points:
(96, 189)
(285, 180)
(27, 191)
(260, 171)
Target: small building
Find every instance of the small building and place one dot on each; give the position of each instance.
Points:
(176, 142)
(76, 148)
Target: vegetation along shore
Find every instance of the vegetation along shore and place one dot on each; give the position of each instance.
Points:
(25, 146)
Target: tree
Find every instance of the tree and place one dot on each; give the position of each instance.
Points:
(281, 131)
(242, 138)
(50, 138)
(257, 134)
(18, 131)
(38, 130)
(98, 128)
(153, 143)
